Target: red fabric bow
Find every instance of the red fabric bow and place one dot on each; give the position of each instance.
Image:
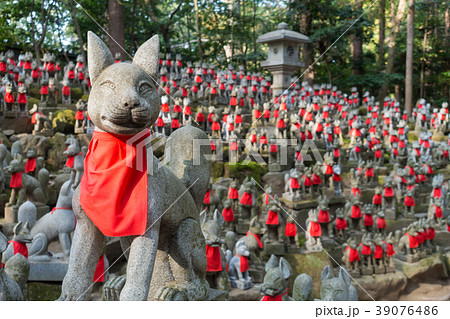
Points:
(275, 298)
(341, 223)
(256, 237)
(20, 248)
(244, 263)
(353, 255)
(290, 230)
(228, 215)
(272, 218)
(314, 229)
(246, 199)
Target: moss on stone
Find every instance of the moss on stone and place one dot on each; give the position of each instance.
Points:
(64, 121)
(311, 264)
(241, 171)
(217, 169)
(40, 291)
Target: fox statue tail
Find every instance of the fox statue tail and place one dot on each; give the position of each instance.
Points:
(185, 152)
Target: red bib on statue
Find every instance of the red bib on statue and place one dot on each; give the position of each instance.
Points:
(114, 186)
(214, 262)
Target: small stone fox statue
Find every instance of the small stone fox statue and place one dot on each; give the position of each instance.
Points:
(18, 244)
(153, 209)
(216, 269)
(337, 288)
(9, 289)
(274, 286)
(75, 161)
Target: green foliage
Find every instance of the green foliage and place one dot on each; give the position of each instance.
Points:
(241, 170)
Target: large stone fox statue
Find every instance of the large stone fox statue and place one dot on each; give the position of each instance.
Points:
(125, 193)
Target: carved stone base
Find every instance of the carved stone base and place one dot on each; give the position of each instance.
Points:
(293, 249)
(408, 258)
(292, 197)
(257, 274)
(274, 248)
(11, 214)
(54, 270)
(354, 274)
(379, 270)
(366, 270)
(217, 295)
(10, 113)
(79, 130)
(390, 269)
(243, 285)
(390, 213)
(313, 248)
(274, 167)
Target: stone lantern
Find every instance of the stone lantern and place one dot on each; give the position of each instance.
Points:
(283, 59)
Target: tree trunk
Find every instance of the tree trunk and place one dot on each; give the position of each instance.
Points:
(357, 46)
(133, 17)
(424, 51)
(396, 19)
(382, 33)
(308, 48)
(409, 57)
(116, 28)
(197, 28)
(77, 29)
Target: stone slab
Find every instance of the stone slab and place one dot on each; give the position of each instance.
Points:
(48, 271)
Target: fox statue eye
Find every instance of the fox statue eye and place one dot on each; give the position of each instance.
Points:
(109, 85)
(145, 88)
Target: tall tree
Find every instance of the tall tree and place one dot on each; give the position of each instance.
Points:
(197, 28)
(116, 28)
(308, 48)
(397, 16)
(45, 14)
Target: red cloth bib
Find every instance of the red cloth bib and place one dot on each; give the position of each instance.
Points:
(437, 192)
(246, 199)
(207, 198)
(99, 275)
(341, 224)
(413, 241)
(390, 250)
(368, 220)
(233, 193)
(244, 263)
(353, 255)
(30, 166)
(366, 250)
(16, 180)
(20, 248)
(272, 218)
(356, 212)
(378, 252)
(228, 214)
(431, 233)
(381, 223)
(256, 237)
(324, 216)
(388, 192)
(294, 183)
(79, 115)
(275, 298)
(438, 211)
(290, 230)
(377, 199)
(314, 229)
(409, 201)
(214, 261)
(113, 194)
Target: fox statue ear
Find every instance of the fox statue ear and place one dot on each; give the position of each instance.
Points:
(147, 56)
(99, 56)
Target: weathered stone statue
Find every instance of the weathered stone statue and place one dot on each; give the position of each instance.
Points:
(9, 289)
(337, 288)
(274, 287)
(158, 207)
(238, 268)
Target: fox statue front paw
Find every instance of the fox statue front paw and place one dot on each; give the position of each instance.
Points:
(172, 292)
(113, 288)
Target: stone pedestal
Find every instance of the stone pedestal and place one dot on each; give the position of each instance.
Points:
(274, 167)
(390, 214)
(243, 285)
(257, 274)
(274, 248)
(366, 271)
(408, 258)
(379, 270)
(11, 114)
(11, 214)
(293, 249)
(54, 270)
